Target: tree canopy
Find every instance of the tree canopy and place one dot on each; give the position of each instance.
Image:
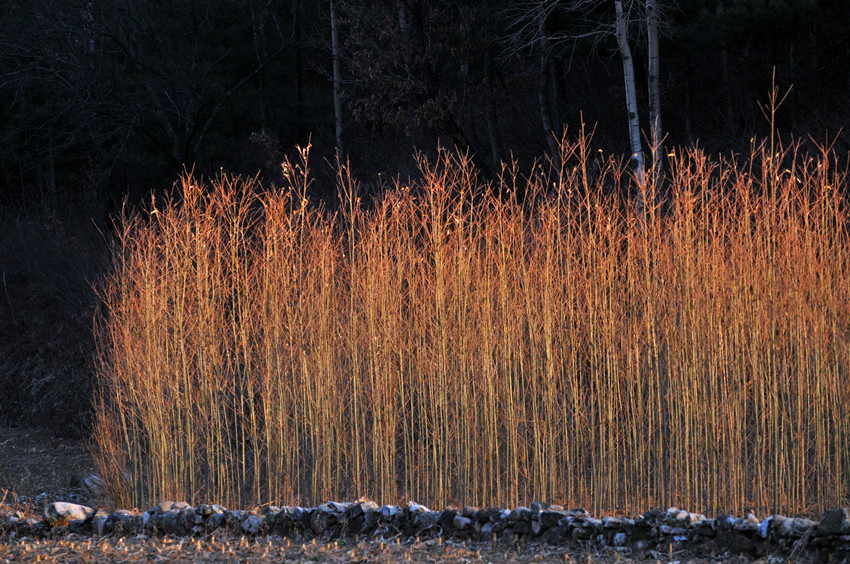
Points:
(101, 99)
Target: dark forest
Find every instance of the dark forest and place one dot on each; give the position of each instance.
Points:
(104, 102)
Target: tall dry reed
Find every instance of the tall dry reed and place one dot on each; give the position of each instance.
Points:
(458, 343)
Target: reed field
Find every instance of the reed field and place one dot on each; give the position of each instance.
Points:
(537, 338)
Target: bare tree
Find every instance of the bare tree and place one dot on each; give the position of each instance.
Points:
(654, 89)
(337, 72)
(592, 21)
(631, 91)
(417, 67)
(543, 83)
(118, 73)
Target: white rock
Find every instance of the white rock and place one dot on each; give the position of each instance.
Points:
(61, 512)
(462, 523)
(416, 508)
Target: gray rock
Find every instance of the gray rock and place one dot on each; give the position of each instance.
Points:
(164, 506)
(488, 515)
(78, 525)
(217, 520)
(389, 512)
(675, 516)
(172, 523)
(252, 524)
(323, 518)
(237, 515)
(726, 522)
(569, 522)
(424, 520)
(555, 535)
(536, 525)
(470, 511)
(207, 510)
(305, 516)
(370, 520)
(835, 522)
(276, 516)
(520, 527)
(360, 508)
(641, 545)
(749, 525)
(61, 513)
(800, 526)
(620, 539)
(693, 518)
(706, 528)
(551, 518)
(593, 523)
(618, 523)
(98, 522)
(414, 507)
(447, 518)
(462, 523)
(520, 514)
(361, 516)
(780, 526)
(93, 484)
(764, 526)
(582, 533)
(120, 522)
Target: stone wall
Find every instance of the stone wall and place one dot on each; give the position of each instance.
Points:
(668, 531)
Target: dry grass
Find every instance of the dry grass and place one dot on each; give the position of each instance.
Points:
(75, 548)
(455, 346)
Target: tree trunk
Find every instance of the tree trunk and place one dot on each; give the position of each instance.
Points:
(543, 86)
(631, 91)
(258, 18)
(654, 90)
(490, 112)
(689, 129)
(299, 69)
(725, 90)
(337, 78)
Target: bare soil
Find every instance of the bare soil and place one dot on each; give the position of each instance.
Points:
(73, 548)
(37, 467)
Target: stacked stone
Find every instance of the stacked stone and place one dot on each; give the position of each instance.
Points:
(658, 530)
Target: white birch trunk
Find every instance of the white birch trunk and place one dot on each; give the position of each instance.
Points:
(631, 92)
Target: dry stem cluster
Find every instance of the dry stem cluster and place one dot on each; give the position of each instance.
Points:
(458, 343)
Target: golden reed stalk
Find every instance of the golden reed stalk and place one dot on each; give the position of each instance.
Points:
(459, 343)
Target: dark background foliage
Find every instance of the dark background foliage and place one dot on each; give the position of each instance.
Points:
(102, 102)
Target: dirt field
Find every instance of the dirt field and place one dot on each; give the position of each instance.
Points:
(72, 548)
(36, 468)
